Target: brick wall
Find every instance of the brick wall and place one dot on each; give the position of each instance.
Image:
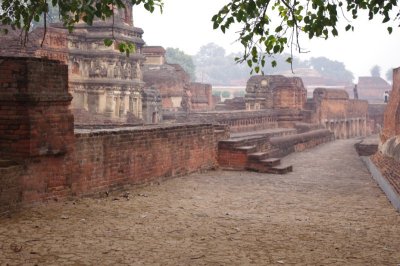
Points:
(202, 99)
(342, 109)
(375, 117)
(392, 113)
(34, 99)
(107, 159)
(36, 129)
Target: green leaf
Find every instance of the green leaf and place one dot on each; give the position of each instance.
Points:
(108, 42)
(390, 29)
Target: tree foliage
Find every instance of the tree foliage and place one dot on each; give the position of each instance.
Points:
(375, 71)
(331, 69)
(272, 26)
(215, 67)
(176, 56)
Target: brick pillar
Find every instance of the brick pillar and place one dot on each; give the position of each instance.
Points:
(391, 126)
(34, 116)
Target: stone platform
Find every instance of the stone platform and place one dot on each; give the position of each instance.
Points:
(261, 151)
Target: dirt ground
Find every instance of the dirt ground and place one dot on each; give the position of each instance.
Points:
(328, 211)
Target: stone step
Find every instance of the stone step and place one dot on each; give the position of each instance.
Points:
(263, 155)
(235, 143)
(248, 149)
(271, 162)
(258, 156)
(281, 169)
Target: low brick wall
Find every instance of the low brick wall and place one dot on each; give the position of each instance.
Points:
(112, 158)
(241, 121)
(108, 159)
(302, 141)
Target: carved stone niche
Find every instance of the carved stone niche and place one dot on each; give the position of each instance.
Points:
(127, 71)
(97, 70)
(75, 68)
(118, 70)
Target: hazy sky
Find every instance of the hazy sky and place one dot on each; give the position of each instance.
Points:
(186, 24)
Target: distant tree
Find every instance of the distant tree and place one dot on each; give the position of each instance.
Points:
(226, 94)
(176, 56)
(239, 94)
(375, 71)
(216, 93)
(209, 52)
(215, 67)
(331, 69)
(389, 75)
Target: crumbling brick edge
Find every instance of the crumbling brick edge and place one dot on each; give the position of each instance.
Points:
(387, 188)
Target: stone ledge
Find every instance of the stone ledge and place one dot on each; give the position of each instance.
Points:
(383, 183)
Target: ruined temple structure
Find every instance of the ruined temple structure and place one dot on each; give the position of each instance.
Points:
(275, 92)
(173, 83)
(332, 108)
(107, 86)
(372, 89)
(168, 79)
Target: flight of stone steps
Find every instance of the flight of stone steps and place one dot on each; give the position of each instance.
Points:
(253, 151)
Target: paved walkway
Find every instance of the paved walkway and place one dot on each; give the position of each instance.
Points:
(327, 212)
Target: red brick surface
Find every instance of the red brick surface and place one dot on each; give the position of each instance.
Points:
(34, 99)
(390, 169)
(392, 112)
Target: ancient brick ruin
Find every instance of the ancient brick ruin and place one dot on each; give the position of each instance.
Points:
(174, 83)
(42, 157)
(372, 89)
(275, 92)
(332, 108)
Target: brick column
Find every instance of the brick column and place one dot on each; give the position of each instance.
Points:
(391, 126)
(34, 116)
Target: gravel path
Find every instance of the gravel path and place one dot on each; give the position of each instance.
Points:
(327, 212)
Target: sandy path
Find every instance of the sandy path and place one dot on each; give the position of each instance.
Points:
(327, 212)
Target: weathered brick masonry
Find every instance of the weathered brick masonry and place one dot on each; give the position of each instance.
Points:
(36, 131)
(111, 158)
(387, 159)
(35, 119)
